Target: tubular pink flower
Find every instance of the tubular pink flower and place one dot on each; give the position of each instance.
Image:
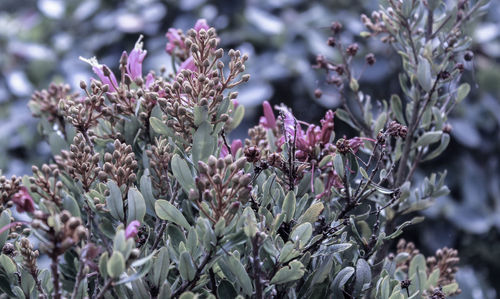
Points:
(174, 40)
(201, 24)
(327, 127)
(98, 70)
(235, 146)
(188, 64)
(132, 229)
(150, 79)
(23, 201)
(135, 59)
(268, 120)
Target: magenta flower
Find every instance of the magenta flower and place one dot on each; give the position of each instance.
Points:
(135, 59)
(201, 24)
(235, 146)
(188, 64)
(150, 79)
(268, 120)
(174, 40)
(98, 70)
(132, 229)
(23, 201)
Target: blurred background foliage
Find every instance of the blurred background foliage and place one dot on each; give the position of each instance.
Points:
(40, 42)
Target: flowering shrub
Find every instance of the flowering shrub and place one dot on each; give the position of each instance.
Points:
(146, 197)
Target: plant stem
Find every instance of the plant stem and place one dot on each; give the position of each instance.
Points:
(55, 277)
(105, 288)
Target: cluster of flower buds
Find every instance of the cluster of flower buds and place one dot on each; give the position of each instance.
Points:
(378, 24)
(119, 166)
(223, 185)
(159, 158)
(46, 103)
(84, 113)
(396, 129)
(29, 255)
(7, 189)
(79, 162)
(60, 230)
(201, 82)
(45, 182)
(446, 260)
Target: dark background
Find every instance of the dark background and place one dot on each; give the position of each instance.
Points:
(40, 42)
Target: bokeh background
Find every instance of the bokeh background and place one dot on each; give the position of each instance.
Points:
(40, 42)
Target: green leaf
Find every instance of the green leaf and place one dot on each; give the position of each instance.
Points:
(450, 288)
(136, 206)
(397, 109)
(363, 277)
(115, 265)
(433, 279)
(338, 164)
(418, 268)
(182, 173)
(445, 140)
(238, 116)
(340, 280)
(312, 213)
(399, 229)
(114, 201)
(380, 122)
(302, 234)
(7, 264)
(225, 290)
(424, 75)
(103, 261)
(462, 92)
(159, 126)
(188, 295)
(4, 221)
(354, 85)
(167, 211)
(147, 191)
(186, 266)
(429, 138)
(57, 143)
(200, 114)
(240, 274)
(161, 266)
(288, 207)
(204, 143)
(293, 271)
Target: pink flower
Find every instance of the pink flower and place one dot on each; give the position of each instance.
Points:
(99, 71)
(268, 120)
(201, 24)
(174, 40)
(235, 146)
(188, 64)
(132, 229)
(23, 201)
(150, 79)
(135, 59)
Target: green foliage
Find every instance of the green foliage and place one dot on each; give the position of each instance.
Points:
(146, 191)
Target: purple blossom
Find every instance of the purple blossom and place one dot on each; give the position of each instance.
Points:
(132, 229)
(135, 59)
(174, 40)
(23, 201)
(235, 146)
(98, 70)
(188, 64)
(201, 24)
(268, 120)
(150, 79)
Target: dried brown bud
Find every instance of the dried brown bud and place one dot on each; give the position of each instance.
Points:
(370, 59)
